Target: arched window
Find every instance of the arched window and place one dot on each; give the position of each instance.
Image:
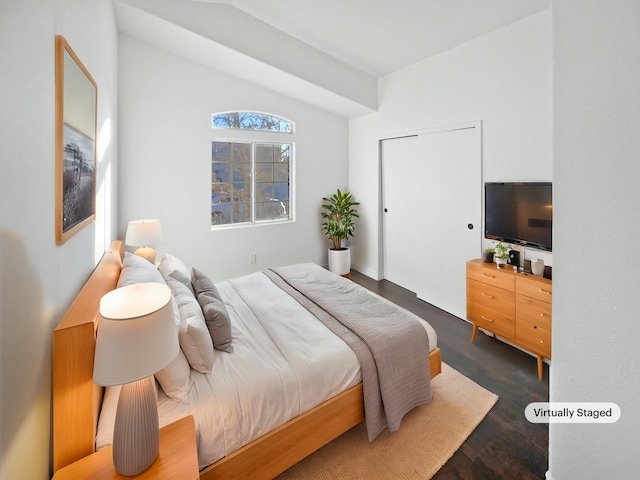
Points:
(251, 180)
(251, 121)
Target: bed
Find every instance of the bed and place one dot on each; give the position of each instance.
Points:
(81, 408)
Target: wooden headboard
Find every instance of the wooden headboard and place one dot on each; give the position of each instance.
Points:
(76, 399)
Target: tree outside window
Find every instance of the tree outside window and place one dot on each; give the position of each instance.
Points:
(252, 121)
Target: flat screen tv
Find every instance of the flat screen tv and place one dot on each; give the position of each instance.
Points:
(519, 213)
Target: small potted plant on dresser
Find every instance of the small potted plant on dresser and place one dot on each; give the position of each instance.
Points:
(501, 254)
(338, 213)
(487, 255)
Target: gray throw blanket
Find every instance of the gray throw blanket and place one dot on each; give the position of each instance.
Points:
(392, 347)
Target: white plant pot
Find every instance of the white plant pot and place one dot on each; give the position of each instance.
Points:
(500, 262)
(340, 261)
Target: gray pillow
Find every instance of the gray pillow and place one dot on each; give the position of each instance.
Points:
(215, 313)
(217, 319)
(203, 284)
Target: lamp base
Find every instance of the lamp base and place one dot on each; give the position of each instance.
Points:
(136, 437)
(147, 253)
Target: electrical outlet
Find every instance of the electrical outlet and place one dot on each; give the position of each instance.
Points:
(252, 258)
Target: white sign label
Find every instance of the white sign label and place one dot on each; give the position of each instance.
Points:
(572, 412)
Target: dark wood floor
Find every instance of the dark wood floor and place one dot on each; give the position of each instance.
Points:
(505, 445)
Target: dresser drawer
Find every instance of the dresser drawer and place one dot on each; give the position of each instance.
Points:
(533, 338)
(501, 278)
(490, 296)
(534, 312)
(534, 287)
(500, 323)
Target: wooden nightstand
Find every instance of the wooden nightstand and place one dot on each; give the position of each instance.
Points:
(177, 459)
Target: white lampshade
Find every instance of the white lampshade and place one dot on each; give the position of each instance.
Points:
(136, 334)
(136, 337)
(143, 232)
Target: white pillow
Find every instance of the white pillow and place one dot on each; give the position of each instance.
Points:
(136, 269)
(194, 337)
(173, 267)
(174, 378)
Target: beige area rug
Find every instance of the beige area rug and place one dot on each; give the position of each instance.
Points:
(428, 436)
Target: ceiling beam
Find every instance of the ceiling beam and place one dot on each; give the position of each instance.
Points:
(231, 41)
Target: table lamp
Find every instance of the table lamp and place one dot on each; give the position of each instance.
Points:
(142, 233)
(136, 338)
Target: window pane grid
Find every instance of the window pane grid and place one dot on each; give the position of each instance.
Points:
(250, 182)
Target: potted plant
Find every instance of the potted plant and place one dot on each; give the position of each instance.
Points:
(338, 213)
(501, 254)
(487, 255)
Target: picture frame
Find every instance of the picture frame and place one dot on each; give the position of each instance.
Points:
(76, 132)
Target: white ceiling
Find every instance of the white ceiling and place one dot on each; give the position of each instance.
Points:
(381, 36)
(328, 53)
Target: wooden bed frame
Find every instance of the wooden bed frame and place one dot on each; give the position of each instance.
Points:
(77, 400)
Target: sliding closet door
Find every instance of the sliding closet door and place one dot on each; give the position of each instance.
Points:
(450, 230)
(399, 235)
(434, 183)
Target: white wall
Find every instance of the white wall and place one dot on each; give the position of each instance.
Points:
(597, 226)
(166, 104)
(38, 279)
(502, 78)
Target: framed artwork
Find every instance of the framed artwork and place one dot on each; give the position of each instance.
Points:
(76, 119)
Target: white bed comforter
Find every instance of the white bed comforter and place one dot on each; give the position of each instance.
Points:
(284, 363)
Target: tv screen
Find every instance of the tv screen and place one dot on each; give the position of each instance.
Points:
(519, 213)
